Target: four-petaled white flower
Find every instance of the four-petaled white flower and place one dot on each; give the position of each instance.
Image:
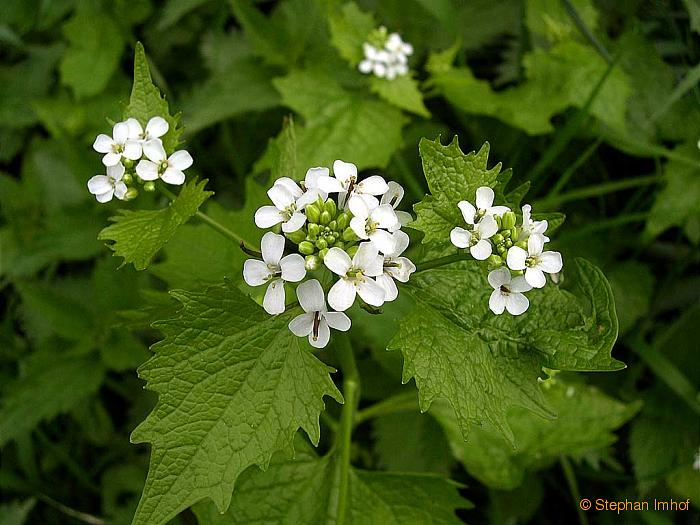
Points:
(355, 276)
(375, 224)
(118, 145)
(104, 187)
(156, 127)
(508, 292)
(474, 238)
(534, 261)
(393, 196)
(388, 62)
(395, 267)
(531, 227)
(289, 200)
(317, 321)
(274, 269)
(169, 169)
(344, 183)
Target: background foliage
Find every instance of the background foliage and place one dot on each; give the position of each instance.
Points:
(599, 111)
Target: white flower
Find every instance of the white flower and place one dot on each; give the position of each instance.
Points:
(376, 61)
(346, 185)
(104, 187)
(507, 292)
(393, 196)
(311, 186)
(317, 321)
(484, 203)
(169, 169)
(395, 267)
(118, 145)
(534, 261)
(375, 224)
(355, 276)
(288, 199)
(390, 61)
(476, 237)
(155, 128)
(396, 45)
(274, 269)
(530, 227)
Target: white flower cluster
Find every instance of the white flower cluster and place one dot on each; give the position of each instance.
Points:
(347, 235)
(385, 56)
(492, 229)
(129, 143)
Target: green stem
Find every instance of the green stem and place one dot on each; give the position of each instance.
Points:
(566, 176)
(402, 402)
(598, 190)
(573, 488)
(586, 32)
(603, 225)
(351, 394)
(75, 514)
(442, 261)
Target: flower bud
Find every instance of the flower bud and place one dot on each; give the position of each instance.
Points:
(497, 239)
(522, 244)
(349, 235)
(352, 250)
(517, 273)
(325, 217)
(509, 243)
(332, 225)
(339, 244)
(323, 253)
(508, 220)
(501, 249)
(321, 244)
(513, 233)
(331, 207)
(128, 164)
(131, 193)
(313, 214)
(312, 262)
(495, 261)
(506, 234)
(314, 229)
(128, 178)
(330, 239)
(342, 221)
(306, 247)
(498, 220)
(149, 186)
(297, 236)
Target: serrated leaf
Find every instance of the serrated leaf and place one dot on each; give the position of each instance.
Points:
(350, 28)
(339, 124)
(585, 423)
(146, 101)
(138, 235)
(402, 92)
(234, 386)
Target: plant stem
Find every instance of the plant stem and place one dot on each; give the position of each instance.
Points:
(566, 176)
(604, 225)
(586, 32)
(76, 514)
(573, 488)
(402, 402)
(597, 190)
(351, 393)
(442, 261)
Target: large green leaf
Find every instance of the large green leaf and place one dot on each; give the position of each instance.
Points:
(234, 386)
(138, 235)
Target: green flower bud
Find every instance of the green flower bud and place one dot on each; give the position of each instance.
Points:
(314, 229)
(313, 214)
(326, 217)
(128, 178)
(297, 236)
(321, 244)
(349, 235)
(312, 262)
(306, 247)
(333, 225)
(326, 229)
(497, 239)
(513, 233)
(498, 220)
(331, 207)
(506, 233)
(131, 193)
(149, 186)
(495, 261)
(330, 239)
(521, 244)
(509, 243)
(339, 244)
(128, 164)
(508, 220)
(322, 253)
(501, 250)
(352, 250)
(516, 273)
(342, 221)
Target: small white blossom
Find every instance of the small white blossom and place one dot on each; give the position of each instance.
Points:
(311, 187)
(118, 145)
(345, 184)
(156, 127)
(355, 276)
(396, 267)
(375, 224)
(534, 261)
(393, 196)
(274, 269)
(289, 200)
(508, 292)
(388, 62)
(484, 203)
(531, 227)
(317, 321)
(159, 165)
(476, 237)
(104, 187)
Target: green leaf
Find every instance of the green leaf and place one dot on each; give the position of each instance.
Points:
(632, 284)
(339, 124)
(549, 22)
(16, 513)
(585, 424)
(49, 385)
(452, 176)
(350, 28)
(303, 490)
(234, 386)
(147, 101)
(138, 235)
(402, 92)
(95, 48)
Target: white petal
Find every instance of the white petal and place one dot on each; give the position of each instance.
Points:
(384, 216)
(487, 227)
(402, 240)
(460, 237)
(550, 262)
(468, 211)
(383, 240)
(517, 303)
(99, 184)
(374, 185)
(344, 171)
(535, 243)
(272, 247)
(498, 210)
(393, 195)
(153, 149)
(302, 325)
(132, 150)
(359, 226)
(365, 66)
(367, 259)
(289, 185)
(342, 294)
(311, 297)
(519, 284)
(312, 176)
(120, 132)
(499, 277)
(110, 159)
(527, 210)
(103, 143)
(255, 272)
(173, 176)
(370, 51)
(115, 172)
(516, 258)
(337, 321)
(273, 302)
(358, 207)
(105, 197)
(404, 271)
(120, 190)
(147, 170)
(295, 222)
(310, 196)
(180, 160)
(324, 335)
(484, 198)
(535, 277)
(293, 268)
(371, 292)
(391, 292)
(337, 261)
(330, 184)
(265, 216)
(281, 196)
(497, 302)
(156, 128)
(481, 250)
(135, 129)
